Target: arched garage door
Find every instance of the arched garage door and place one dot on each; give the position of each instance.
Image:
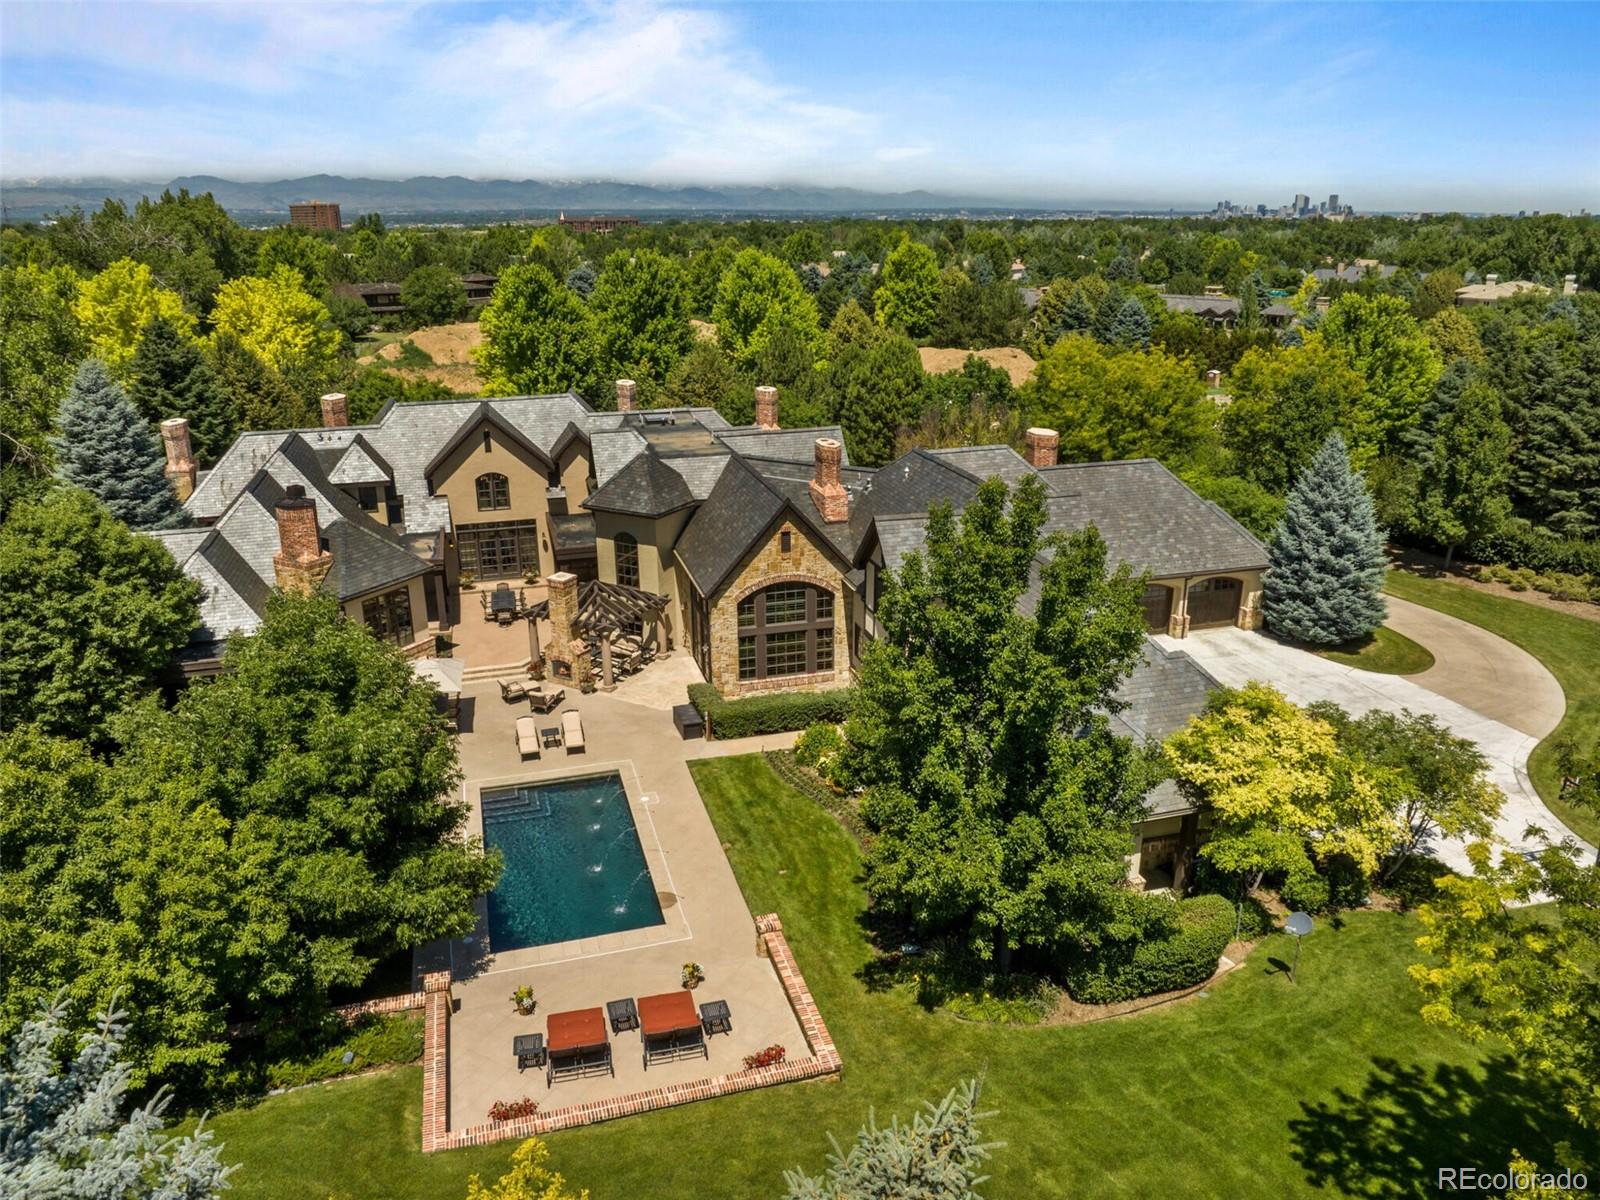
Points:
(1157, 602)
(1214, 602)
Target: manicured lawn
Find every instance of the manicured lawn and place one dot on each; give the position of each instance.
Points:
(1569, 646)
(1264, 1088)
(1386, 651)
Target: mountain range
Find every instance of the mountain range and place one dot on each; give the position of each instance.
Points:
(436, 196)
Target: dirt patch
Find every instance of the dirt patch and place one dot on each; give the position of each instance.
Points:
(1017, 363)
(1431, 566)
(704, 331)
(450, 347)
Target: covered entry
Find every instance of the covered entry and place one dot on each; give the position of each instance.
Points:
(1215, 601)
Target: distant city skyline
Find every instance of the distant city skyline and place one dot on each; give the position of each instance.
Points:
(1393, 107)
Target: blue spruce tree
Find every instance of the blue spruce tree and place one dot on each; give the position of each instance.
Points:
(1327, 561)
(108, 449)
(1130, 328)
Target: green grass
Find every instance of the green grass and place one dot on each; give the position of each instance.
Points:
(1386, 651)
(1569, 646)
(1263, 1088)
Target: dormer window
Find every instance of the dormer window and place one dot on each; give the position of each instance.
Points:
(494, 490)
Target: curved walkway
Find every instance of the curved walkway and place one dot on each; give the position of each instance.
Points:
(1481, 670)
(1235, 657)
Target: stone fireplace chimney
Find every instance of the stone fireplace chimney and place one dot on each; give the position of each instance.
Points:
(827, 493)
(766, 407)
(1042, 447)
(335, 411)
(301, 564)
(625, 391)
(569, 653)
(181, 466)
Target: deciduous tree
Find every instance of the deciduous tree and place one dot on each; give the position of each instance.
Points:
(433, 295)
(538, 337)
(641, 306)
(1387, 347)
(277, 320)
(907, 299)
(1285, 403)
(41, 343)
(757, 296)
(116, 305)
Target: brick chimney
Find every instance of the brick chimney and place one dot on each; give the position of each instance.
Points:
(766, 407)
(301, 564)
(827, 493)
(335, 411)
(625, 391)
(1042, 447)
(181, 466)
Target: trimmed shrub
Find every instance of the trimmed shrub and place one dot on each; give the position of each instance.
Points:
(774, 712)
(1305, 891)
(1537, 551)
(1185, 956)
(373, 1041)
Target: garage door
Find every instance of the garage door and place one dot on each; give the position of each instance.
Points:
(1214, 602)
(1157, 602)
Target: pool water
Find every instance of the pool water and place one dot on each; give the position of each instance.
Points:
(574, 865)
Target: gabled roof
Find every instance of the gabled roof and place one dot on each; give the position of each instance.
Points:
(645, 487)
(1167, 687)
(360, 464)
(485, 414)
(790, 445)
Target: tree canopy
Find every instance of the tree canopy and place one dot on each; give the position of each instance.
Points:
(276, 319)
(907, 299)
(115, 306)
(757, 296)
(641, 306)
(108, 449)
(433, 295)
(538, 337)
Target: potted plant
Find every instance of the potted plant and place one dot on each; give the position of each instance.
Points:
(523, 999)
(692, 975)
(468, 581)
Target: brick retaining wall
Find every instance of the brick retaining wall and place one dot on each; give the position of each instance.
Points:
(822, 1061)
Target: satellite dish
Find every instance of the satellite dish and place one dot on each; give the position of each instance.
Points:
(1298, 924)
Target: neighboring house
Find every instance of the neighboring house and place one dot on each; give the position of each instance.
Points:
(767, 544)
(1362, 268)
(383, 299)
(1223, 311)
(596, 224)
(1492, 290)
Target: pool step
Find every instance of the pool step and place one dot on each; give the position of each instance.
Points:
(514, 807)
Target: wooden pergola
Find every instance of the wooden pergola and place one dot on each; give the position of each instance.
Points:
(604, 611)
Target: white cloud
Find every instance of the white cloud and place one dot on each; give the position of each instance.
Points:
(894, 154)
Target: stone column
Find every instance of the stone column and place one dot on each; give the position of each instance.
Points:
(766, 407)
(625, 393)
(335, 410)
(608, 680)
(827, 493)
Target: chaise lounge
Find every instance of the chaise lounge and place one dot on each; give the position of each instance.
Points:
(527, 737)
(572, 731)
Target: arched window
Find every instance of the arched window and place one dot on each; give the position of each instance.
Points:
(627, 560)
(787, 629)
(494, 491)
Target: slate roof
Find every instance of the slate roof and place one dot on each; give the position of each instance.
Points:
(1167, 687)
(360, 464)
(645, 487)
(1354, 273)
(1149, 518)
(790, 445)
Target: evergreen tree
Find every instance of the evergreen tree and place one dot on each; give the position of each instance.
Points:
(1077, 316)
(1324, 584)
(258, 394)
(937, 1156)
(62, 1132)
(109, 450)
(582, 279)
(1131, 326)
(1558, 464)
(171, 378)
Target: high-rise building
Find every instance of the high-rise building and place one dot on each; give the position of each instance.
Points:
(315, 214)
(1301, 203)
(1333, 202)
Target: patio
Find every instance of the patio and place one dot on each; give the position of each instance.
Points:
(705, 918)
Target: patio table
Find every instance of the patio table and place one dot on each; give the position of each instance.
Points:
(669, 1026)
(576, 1044)
(550, 735)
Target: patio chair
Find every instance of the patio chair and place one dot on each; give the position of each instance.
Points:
(513, 690)
(483, 599)
(545, 700)
(715, 1017)
(527, 737)
(623, 1014)
(572, 731)
(529, 1049)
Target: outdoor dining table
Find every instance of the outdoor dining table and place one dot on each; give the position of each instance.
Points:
(503, 601)
(669, 1026)
(576, 1044)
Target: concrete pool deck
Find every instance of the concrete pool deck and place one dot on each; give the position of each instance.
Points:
(706, 918)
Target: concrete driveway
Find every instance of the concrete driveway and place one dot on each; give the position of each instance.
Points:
(1236, 657)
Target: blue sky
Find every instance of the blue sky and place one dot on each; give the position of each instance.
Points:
(1392, 106)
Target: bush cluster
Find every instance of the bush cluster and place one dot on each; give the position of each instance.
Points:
(776, 712)
(374, 1041)
(817, 746)
(1560, 584)
(510, 1110)
(1185, 956)
(1539, 552)
(768, 1057)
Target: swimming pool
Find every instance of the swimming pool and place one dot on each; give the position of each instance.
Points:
(574, 864)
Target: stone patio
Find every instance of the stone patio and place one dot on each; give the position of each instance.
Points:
(629, 731)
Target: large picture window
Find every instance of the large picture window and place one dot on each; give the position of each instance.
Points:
(499, 549)
(494, 492)
(627, 560)
(787, 629)
(389, 616)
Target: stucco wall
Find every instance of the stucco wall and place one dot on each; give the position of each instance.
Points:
(1249, 603)
(658, 571)
(766, 565)
(419, 605)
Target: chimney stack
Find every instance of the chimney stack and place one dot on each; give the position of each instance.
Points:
(1042, 447)
(1491, 280)
(625, 391)
(181, 466)
(335, 411)
(766, 407)
(827, 493)
(301, 564)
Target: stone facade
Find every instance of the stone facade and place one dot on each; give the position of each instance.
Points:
(568, 654)
(1249, 613)
(806, 562)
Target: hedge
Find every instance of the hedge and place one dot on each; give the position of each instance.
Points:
(1186, 956)
(772, 712)
(1537, 551)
